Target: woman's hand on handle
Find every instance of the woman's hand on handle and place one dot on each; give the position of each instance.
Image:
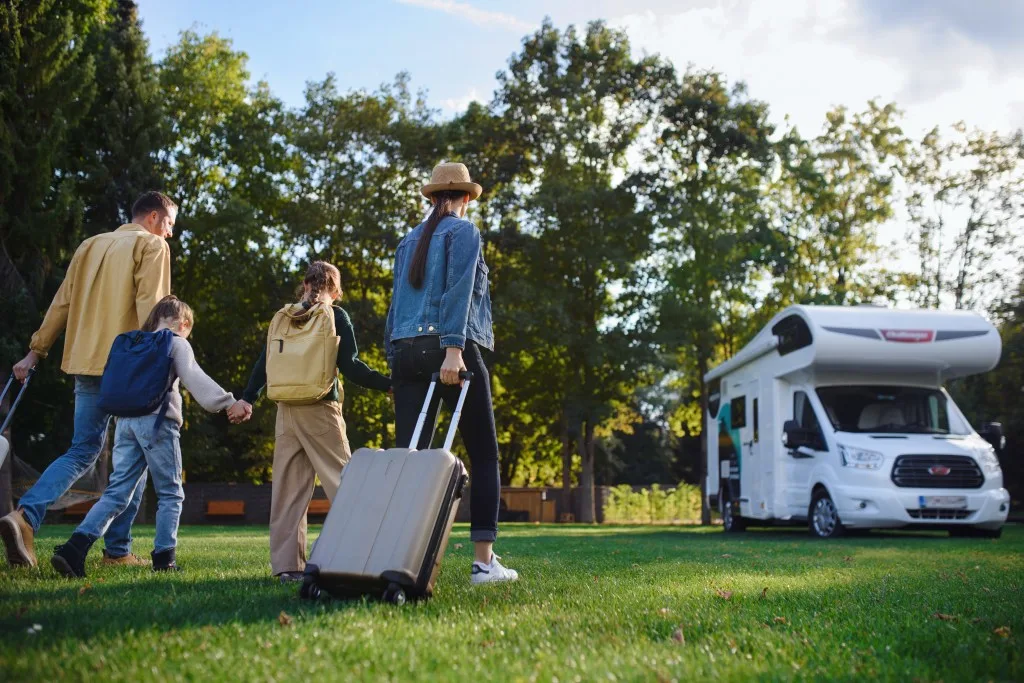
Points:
(452, 365)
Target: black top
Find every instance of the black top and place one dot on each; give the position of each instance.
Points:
(348, 363)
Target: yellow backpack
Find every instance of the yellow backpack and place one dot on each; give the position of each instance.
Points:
(302, 357)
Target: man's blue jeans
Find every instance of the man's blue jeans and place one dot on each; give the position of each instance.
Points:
(136, 447)
(90, 430)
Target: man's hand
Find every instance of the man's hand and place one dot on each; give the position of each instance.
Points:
(240, 412)
(25, 365)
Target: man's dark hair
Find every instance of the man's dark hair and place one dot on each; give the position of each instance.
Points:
(153, 201)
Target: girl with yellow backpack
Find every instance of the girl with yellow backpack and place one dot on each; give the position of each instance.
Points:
(307, 344)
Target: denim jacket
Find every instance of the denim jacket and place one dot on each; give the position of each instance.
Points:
(454, 301)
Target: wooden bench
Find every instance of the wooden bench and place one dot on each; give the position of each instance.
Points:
(79, 509)
(225, 508)
(319, 507)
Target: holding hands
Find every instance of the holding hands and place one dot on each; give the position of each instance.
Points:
(240, 412)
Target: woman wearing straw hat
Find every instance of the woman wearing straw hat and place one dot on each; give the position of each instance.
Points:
(440, 319)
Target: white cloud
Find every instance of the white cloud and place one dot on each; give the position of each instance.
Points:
(456, 105)
(475, 15)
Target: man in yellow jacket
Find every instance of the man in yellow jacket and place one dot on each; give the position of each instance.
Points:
(112, 283)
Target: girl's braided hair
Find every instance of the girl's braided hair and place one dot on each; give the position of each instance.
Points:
(321, 277)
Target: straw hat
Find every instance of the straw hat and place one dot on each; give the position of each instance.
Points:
(451, 176)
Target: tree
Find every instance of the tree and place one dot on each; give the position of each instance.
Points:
(714, 162)
(227, 164)
(116, 145)
(47, 82)
(966, 202)
(833, 194)
(579, 103)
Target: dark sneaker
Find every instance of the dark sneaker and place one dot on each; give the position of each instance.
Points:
(69, 559)
(163, 561)
(19, 540)
(291, 577)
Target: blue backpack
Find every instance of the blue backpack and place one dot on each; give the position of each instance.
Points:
(137, 378)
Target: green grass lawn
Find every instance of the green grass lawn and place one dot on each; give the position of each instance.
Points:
(593, 603)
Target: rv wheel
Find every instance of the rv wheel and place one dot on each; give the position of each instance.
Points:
(823, 517)
(731, 522)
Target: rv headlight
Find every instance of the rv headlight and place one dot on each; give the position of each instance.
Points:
(987, 459)
(860, 459)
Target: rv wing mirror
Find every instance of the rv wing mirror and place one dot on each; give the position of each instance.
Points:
(792, 434)
(993, 433)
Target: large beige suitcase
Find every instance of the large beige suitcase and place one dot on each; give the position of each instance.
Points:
(388, 525)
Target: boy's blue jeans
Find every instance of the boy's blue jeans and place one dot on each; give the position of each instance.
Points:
(90, 429)
(135, 449)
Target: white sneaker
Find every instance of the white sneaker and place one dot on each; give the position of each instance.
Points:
(493, 572)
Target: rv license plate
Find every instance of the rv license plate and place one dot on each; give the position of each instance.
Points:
(956, 502)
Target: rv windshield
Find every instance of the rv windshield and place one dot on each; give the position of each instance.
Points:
(904, 410)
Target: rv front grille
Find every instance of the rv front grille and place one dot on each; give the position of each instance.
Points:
(940, 513)
(937, 472)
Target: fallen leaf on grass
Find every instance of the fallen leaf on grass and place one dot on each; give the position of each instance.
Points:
(595, 578)
(986, 589)
(944, 617)
(663, 610)
(847, 559)
(458, 546)
(284, 619)
(977, 620)
(487, 644)
(678, 636)
(726, 555)
(780, 620)
(81, 591)
(725, 595)
(764, 592)
(1002, 631)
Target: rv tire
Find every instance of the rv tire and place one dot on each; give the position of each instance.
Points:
(731, 522)
(823, 517)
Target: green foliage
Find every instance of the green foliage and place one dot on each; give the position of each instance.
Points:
(679, 505)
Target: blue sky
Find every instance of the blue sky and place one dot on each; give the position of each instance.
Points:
(939, 60)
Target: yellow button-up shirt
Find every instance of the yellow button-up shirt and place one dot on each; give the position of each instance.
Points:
(112, 284)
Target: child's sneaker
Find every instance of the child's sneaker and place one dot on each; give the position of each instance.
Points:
(163, 561)
(493, 572)
(69, 559)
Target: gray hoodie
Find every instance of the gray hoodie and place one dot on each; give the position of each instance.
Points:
(203, 389)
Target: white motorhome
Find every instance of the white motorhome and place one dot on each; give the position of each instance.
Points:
(837, 417)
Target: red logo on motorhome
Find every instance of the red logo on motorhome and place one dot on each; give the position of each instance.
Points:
(938, 470)
(909, 336)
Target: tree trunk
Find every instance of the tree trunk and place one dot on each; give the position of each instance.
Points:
(566, 457)
(588, 512)
(702, 369)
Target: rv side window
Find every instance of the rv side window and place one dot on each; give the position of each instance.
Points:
(738, 412)
(754, 408)
(803, 413)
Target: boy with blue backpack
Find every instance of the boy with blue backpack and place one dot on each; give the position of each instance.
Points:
(140, 386)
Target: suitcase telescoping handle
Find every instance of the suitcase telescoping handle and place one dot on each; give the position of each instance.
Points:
(467, 377)
(17, 399)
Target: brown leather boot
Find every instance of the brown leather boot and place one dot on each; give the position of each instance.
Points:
(19, 539)
(129, 560)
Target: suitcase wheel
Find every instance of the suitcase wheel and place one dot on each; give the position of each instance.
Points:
(394, 594)
(309, 590)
